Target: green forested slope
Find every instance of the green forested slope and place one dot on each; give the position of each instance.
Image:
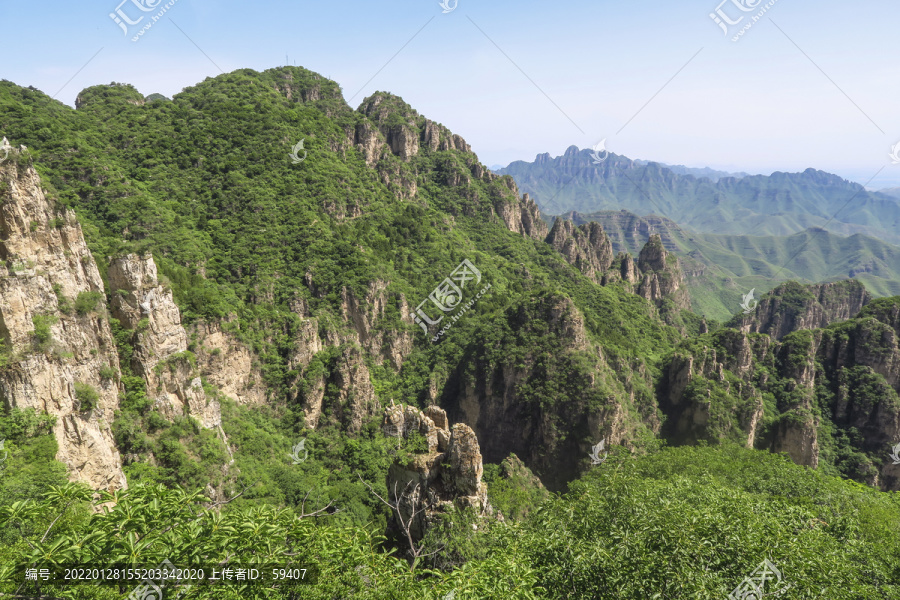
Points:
(242, 235)
(721, 268)
(681, 523)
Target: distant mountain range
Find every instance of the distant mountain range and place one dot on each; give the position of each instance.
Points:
(892, 192)
(780, 204)
(707, 172)
(719, 269)
(711, 174)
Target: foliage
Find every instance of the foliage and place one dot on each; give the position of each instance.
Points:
(86, 395)
(243, 238)
(63, 303)
(86, 302)
(42, 335)
(686, 522)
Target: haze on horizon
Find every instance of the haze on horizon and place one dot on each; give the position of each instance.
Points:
(516, 79)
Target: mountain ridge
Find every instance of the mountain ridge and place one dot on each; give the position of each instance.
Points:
(776, 204)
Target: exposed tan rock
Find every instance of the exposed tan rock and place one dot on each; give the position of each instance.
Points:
(661, 275)
(444, 476)
(520, 216)
(490, 396)
(402, 138)
(401, 421)
(161, 354)
(798, 439)
(369, 141)
(688, 419)
(227, 364)
(791, 307)
(586, 247)
(43, 247)
(354, 400)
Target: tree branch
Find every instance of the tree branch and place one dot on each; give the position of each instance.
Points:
(65, 508)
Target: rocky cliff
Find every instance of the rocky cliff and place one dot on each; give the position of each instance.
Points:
(841, 378)
(512, 409)
(391, 135)
(792, 307)
(656, 276)
(60, 355)
(661, 276)
(227, 363)
(585, 246)
(448, 474)
(161, 353)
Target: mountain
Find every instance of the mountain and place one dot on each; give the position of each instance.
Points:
(711, 174)
(368, 359)
(892, 192)
(720, 269)
(778, 204)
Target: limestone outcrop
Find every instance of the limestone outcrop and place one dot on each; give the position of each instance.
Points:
(791, 307)
(227, 363)
(714, 391)
(60, 355)
(661, 275)
(447, 474)
(585, 246)
(161, 353)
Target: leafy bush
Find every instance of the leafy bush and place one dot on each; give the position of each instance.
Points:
(62, 301)
(86, 395)
(87, 302)
(108, 372)
(5, 354)
(42, 335)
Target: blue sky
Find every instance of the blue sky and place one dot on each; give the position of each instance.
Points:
(808, 85)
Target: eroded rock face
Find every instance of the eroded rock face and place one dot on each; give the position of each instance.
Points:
(689, 413)
(494, 397)
(657, 276)
(363, 314)
(448, 474)
(857, 362)
(161, 354)
(662, 277)
(586, 246)
(791, 307)
(228, 364)
(53, 347)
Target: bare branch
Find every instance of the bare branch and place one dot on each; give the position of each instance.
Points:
(416, 551)
(65, 508)
(315, 513)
